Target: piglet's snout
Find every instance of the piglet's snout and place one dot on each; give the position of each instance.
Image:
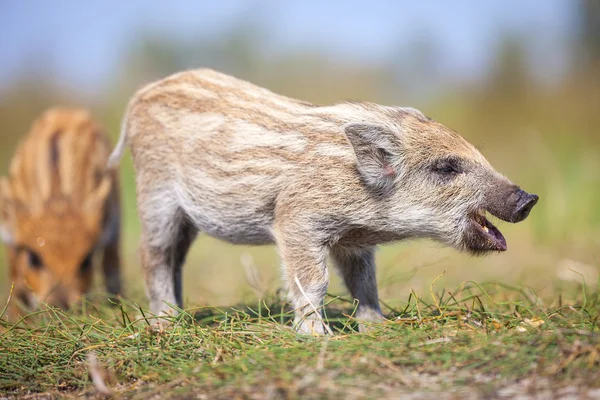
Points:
(58, 299)
(510, 203)
(524, 204)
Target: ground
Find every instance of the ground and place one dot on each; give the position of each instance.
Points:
(477, 341)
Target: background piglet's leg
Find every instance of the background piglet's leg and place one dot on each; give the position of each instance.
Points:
(111, 266)
(111, 257)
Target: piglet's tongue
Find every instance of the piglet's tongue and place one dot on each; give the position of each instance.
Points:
(495, 235)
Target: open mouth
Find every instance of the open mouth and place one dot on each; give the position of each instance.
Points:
(491, 237)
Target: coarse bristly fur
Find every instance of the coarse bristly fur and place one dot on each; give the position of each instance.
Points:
(218, 155)
(58, 207)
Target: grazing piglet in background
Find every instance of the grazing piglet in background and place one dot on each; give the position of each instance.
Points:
(58, 207)
(218, 155)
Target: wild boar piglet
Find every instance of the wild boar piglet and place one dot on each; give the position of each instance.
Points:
(59, 206)
(218, 155)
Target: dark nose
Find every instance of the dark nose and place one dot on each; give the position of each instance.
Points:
(524, 205)
(60, 302)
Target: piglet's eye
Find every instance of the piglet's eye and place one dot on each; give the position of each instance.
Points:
(35, 262)
(86, 264)
(447, 167)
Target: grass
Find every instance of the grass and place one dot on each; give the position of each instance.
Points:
(465, 342)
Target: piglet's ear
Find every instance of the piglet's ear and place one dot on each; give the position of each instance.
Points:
(6, 212)
(374, 146)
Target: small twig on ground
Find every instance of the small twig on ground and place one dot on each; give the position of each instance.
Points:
(434, 341)
(97, 373)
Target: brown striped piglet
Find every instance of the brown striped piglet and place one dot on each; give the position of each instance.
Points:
(59, 208)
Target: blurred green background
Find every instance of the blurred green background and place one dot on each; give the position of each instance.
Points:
(520, 80)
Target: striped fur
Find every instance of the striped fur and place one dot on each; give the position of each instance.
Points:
(59, 206)
(218, 155)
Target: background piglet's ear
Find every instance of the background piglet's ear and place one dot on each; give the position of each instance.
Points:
(374, 146)
(6, 212)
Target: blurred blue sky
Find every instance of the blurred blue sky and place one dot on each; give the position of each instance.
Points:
(83, 43)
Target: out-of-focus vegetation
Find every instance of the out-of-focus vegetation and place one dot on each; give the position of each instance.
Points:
(543, 134)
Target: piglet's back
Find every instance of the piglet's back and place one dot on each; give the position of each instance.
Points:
(64, 156)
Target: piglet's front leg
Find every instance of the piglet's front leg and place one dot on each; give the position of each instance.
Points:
(305, 271)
